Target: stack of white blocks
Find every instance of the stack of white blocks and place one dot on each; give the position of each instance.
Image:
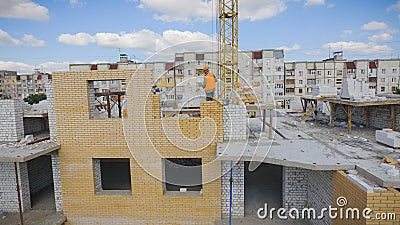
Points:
(356, 89)
(388, 137)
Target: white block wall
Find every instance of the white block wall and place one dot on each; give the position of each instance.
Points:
(8, 189)
(11, 120)
(320, 188)
(308, 188)
(40, 173)
(234, 122)
(55, 164)
(97, 174)
(294, 187)
(379, 116)
(237, 189)
(34, 125)
(51, 114)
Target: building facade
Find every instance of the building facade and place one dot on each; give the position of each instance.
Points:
(286, 82)
(19, 86)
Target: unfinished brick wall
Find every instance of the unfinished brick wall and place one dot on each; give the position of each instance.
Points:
(8, 190)
(35, 125)
(387, 201)
(40, 173)
(320, 187)
(237, 189)
(55, 165)
(82, 139)
(51, 111)
(11, 118)
(294, 188)
(235, 117)
(379, 116)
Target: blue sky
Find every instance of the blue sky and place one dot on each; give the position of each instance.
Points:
(50, 34)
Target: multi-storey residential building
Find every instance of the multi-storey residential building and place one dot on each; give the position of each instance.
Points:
(185, 72)
(287, 82)
(381, 74)
(16, 86)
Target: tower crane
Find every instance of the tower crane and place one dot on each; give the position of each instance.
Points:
(228, 46)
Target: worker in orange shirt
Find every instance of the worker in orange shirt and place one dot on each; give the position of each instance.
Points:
(209, 84)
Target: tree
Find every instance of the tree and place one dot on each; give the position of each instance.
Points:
(397, 91)
(35, 99)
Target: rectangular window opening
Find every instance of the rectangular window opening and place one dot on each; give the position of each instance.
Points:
(112, 176)
(107, 99)
(182, 177)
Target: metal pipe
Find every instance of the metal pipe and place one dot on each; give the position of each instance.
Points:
(230, 196)
(21, 216)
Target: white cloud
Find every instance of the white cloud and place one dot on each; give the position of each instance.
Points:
(394, 6)
(374, 25)
(23, 9)
(22, 67)
(54, 66)
(7, 40)
(79, 39)
(204, 10)
(346, 33)
(312, 53)
(30, 40)
(381, 37)
(314, 2)
(27, 40)
(146, 41)
(358, 47)
(293, 48)
(260, 9)
(76, 3)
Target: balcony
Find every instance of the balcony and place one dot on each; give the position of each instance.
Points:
(289, 85)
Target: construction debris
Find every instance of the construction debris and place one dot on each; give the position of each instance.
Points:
(390, 161)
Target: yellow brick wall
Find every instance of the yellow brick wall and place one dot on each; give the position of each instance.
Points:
(356, 197)
(83, 139)
(384, 202)
(387, 201)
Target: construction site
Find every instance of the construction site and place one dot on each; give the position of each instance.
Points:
(106, 147)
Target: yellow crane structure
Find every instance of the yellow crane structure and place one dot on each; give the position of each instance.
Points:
(228, 46)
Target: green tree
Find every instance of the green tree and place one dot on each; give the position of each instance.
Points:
(35, 99)
(397, 91)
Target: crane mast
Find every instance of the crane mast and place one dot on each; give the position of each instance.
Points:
(228, 46)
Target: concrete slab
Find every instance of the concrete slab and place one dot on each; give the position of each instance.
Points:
(372, 171)
(14, 153)
(307, 154)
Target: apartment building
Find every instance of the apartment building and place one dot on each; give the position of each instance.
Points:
(300, 77)
(19, 86)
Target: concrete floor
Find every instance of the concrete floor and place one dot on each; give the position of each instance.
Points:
(44, 199)
(42, 212)
(263, 185)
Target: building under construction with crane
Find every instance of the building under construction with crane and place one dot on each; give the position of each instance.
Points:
(126, 156)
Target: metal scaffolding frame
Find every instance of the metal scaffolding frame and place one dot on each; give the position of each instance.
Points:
(228, 46)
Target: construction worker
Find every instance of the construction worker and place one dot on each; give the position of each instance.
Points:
(209, 84)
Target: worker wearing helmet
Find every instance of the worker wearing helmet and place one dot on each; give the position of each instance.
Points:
(209, 84)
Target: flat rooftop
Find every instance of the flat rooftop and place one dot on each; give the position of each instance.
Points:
(316, 146)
